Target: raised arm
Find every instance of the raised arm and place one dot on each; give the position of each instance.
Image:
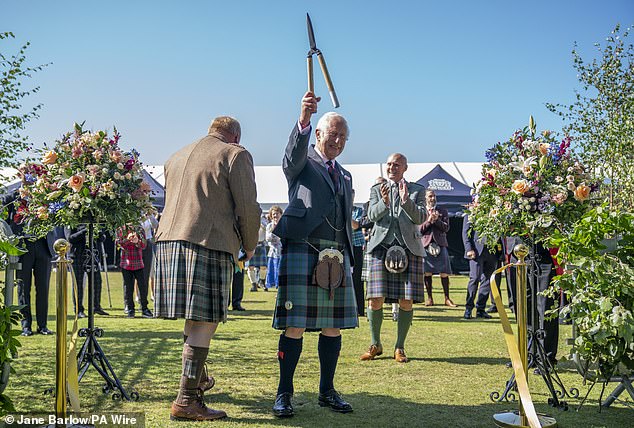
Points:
(296, 153)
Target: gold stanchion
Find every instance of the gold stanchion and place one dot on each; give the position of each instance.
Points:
(61, 247)
(526, 416)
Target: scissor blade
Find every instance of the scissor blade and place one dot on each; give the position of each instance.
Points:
(311, 34)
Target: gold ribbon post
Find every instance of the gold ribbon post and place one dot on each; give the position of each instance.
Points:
(518, 350)
(66, 384)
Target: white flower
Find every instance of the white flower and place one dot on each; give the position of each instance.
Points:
(525, 166)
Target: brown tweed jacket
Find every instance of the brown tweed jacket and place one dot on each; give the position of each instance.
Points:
(210, 197)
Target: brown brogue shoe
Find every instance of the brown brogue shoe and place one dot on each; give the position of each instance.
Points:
(372, 352)
(429, 302)
(399, 355)
(194, 409)
(449, 302)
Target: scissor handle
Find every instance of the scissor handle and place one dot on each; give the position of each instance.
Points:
(311, 80)
(331, 87)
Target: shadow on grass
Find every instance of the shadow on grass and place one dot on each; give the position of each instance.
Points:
(382, 410)
(469, 361)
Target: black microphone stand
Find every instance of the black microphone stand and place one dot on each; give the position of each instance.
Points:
(91, 353)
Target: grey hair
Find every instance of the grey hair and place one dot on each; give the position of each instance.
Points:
(325, 120)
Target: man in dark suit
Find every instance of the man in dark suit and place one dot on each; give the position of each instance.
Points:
(397, 209)
(36, 263)
(434, 231)
(482, 263)
(318, 217)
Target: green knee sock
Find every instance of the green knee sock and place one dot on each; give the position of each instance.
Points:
(404, 321)
(375, 316)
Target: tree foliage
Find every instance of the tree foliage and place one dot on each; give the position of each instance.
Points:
(601, 119)
(13, 117)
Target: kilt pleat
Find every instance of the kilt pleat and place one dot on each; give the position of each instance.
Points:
(191, 282)
(408, 285)
(302, 304)
(365, 272)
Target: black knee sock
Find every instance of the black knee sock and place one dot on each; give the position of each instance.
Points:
(288, 354)
(328, 350)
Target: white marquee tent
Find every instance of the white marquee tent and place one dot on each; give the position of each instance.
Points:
(272, 187)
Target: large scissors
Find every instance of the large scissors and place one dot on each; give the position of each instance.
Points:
(322, 63)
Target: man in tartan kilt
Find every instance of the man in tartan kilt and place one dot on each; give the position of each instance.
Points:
(397, 209)
(317, 219)
(210, 212)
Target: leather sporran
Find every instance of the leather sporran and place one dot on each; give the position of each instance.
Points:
(396, 260)
(433, 249)
(329, 273)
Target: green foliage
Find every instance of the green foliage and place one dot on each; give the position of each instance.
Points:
(14, 118)
(599, 285)
(9, 317)
(601, 120)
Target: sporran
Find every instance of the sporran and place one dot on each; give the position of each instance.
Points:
(329, 272)
(396, 260)
(433, 249)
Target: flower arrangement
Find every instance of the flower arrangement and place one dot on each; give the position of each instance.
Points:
(531, 185)
(85, 177)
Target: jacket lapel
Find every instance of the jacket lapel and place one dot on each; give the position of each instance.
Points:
(312, 155)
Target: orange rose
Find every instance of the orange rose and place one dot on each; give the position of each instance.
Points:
(582, 192)
(76, 182)
(543, 148)
(49, 157)
(520, 186)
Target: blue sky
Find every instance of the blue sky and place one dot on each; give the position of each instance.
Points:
(437, 81)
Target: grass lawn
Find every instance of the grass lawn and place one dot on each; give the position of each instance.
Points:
(455, 365)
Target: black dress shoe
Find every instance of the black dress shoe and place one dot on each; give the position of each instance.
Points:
(100, 311)
(238, 308)
(45, 331)
(81, 314)
(467, 315)
(333, 400)
(483, 314)
(26, 332)
(492, 309)
(283, 407)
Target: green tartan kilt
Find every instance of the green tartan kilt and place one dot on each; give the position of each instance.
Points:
(191, 282)
(408, 285)
(302, 304)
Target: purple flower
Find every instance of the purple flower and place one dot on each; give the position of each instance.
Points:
(129, 164)
(56, 206)
(29, 178)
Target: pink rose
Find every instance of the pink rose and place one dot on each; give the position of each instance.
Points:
(76, 182)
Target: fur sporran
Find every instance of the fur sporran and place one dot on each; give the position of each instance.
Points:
(329, 272)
